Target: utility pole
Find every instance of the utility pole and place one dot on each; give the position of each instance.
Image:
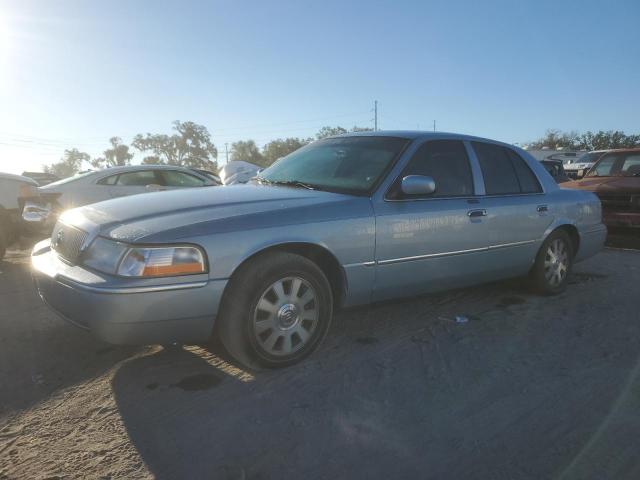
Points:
(375, 115)
(434, 125)
(226, 149)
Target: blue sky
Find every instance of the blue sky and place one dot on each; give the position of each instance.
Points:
(74, 73)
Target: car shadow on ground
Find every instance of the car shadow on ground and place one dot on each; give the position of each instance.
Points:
(398, 390)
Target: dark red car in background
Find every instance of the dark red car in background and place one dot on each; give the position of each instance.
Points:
(615, 179)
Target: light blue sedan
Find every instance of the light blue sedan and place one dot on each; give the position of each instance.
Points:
(344, 221)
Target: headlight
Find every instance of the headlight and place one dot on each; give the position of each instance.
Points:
(162, 262)
(120, 259)
(104, 255)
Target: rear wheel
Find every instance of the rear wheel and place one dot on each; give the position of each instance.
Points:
(277, 310)
(553, 264)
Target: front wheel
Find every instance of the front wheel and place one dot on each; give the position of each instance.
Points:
(276, 312)
(553, 264)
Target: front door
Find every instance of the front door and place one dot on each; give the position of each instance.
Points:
(436, 241)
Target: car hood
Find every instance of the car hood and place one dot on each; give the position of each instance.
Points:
(617, 184)
(180, 213)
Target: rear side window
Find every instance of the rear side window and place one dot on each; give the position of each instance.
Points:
(173, 178)
(504, 171)
(447, 163)
(141, 178)
(526, 178)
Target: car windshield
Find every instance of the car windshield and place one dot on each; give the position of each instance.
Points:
(340, 164)
(625, 164)
(588, 157)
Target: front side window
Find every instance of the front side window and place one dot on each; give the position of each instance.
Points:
(108, 180)
(625, 164)
(342, 164)
(173, 178)
(447, 163)
(137, 179)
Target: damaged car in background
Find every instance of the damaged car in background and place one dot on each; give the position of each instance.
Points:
(615, 179)
(344, 221)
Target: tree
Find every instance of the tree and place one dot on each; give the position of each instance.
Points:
(69, 164)
(190, 146)
(325, 132)
(556, 140)
(247, 151)
(118, 154)
(604, 140)
(281, 147)
(601, 140)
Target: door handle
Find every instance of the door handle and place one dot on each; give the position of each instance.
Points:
(477, 213)
(542, 208)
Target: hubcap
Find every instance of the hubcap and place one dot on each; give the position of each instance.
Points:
(556, 262)
(286, 316)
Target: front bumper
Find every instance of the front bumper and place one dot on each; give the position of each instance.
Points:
(621, 219)
(126, 312)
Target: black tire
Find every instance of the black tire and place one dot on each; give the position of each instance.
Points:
(240, 317)
(551, 271)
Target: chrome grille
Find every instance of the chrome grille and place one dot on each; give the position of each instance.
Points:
(619, 202)
(67, 241)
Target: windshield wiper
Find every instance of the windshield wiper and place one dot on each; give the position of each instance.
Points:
(287, 183)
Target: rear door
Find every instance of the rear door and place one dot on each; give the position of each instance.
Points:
(518, 213)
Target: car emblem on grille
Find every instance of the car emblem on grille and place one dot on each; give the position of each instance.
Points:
(59, 238)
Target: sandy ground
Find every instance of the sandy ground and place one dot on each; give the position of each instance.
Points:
(530, 387)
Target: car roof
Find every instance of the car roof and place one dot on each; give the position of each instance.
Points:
(615, 150)
(19, 178)
(420, 134)
(132, 168)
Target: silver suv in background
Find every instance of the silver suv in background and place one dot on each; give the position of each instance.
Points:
(45, 203)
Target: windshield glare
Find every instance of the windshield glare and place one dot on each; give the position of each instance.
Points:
(617, 164)
(343, 164)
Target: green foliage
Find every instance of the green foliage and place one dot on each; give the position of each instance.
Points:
(190, 146)
(69, 164)
(601, 140)
(325, 132)
(282, 147)
(247, 151)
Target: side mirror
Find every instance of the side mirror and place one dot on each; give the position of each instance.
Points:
(418, 185)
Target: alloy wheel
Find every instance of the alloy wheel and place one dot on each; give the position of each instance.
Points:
(556, 262)
(286, 316)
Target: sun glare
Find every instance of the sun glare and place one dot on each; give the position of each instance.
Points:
(4, 38)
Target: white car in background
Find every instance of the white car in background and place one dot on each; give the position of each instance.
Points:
(238, 171)
(45, 203)
(578, 168)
